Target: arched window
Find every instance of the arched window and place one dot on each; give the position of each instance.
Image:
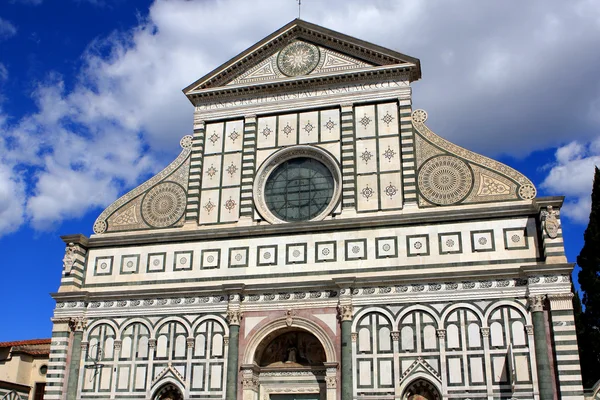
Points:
(465, 359)
(208, 357)
(99, 359)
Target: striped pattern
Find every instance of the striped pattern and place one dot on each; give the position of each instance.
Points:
(57, 365)
(75, 278)
(348, 169)
(193, 192)
(4, 394)
(248, 167)
(566, 354)
(554, 247)
(407, 141)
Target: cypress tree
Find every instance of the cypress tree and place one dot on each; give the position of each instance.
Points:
(589, 281)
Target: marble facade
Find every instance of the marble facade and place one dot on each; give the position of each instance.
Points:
(430, 271)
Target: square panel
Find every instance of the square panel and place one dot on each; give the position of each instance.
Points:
(450, 242)
(287, 129)
(330, 125)
(103, 265)
(156, 262)
(366, 156)
(417, 245)
(367, 189)
(389, 154)
(295, 253)
(234, 135)
(326, 251)
(483, 240)
(386, 247)
(515, 239)
(266, 255)
(390, 195)
(130, 263)
(356, 249)
(387, 119)
(182, 260)
(309, 127)
(213, 142)
(211, 172)
(266, 132)
(238, 257)
(210, 259)
(364, 121)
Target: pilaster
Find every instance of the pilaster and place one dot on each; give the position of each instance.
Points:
(407, 152)
(248, 168)
(566, 352)
(234, 315)
(193, 192)
(348, 167)
(536, 305)
(58, 363)
(77, 325)
(345, 315)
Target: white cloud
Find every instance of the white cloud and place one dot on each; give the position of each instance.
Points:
(7, 29)
(573, 174)
(12, 200)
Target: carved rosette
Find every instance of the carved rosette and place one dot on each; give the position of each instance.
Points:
(395, 336)
(152, 343)
(234, 317)
(345, 312)
(118, 344)
(485, 332)
(441, 333)
(536, 303)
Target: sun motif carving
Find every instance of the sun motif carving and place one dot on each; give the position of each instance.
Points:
(163, 205)
(418, 245)
(232, 169)
(288, 129)
(391, 190)
(214, 138)
(419, 116)
(527, 192)
(330, 125)
(387, 118)
(389, 154)
(445, 180)
(211, 171)
(367, 192)
(366, 156)
(267, 131)
(365, 121)
(233, 135)
(308, 127)
(298, 58)
(230, 204)
(209, 206)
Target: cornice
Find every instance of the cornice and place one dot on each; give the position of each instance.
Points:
(435, 216)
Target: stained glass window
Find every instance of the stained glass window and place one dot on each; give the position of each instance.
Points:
(299, 189)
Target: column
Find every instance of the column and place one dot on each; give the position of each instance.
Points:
(532, 362)
(193, 191)
(117, 354)
(248, 169)
(234, 315)
(407, 148)
(77, 325)
(566, 351)
(190, 341)
(348, 168)
(331, 380)
(541, 347)
(396, 349)
(441, 333)
(151, 349)
(485, 336)
(346, 315)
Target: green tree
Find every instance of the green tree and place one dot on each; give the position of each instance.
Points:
(589, 280)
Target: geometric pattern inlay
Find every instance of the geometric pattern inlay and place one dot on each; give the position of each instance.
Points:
(164, 204)
(445, 180)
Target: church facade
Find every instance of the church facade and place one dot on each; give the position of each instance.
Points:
(314, 239)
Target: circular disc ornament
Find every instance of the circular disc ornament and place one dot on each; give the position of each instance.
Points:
(163, 205)
(298, 58)
(445, 180)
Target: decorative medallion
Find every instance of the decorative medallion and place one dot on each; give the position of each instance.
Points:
(419, 116)
(164, 204)
(288, 129)
(298, 58)
(445, 180)
(266, 132)
(389, 154)
(329, 125)
(366, 156)
(232, 169)
(211, 171)
(387, 118)
(527, 192)
(233, 135)
(214, 138)
(186, 142)
(100, 226)
(391, 190)
(230, 204)
(365, 121)
(367, 192)
(209, 206)
(308, 127)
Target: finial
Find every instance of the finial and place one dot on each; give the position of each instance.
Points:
(299, 7)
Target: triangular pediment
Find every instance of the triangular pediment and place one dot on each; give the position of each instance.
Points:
(301, 49)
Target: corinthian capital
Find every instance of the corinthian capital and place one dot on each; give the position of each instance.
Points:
(234, 317)
(536, 303)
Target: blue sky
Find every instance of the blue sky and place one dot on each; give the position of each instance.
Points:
(91, 103)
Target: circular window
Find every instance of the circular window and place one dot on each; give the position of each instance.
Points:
(43, 370)
(300, 183)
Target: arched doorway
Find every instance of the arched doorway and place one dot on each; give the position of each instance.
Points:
(421, 389)
(168, 392)
(290, 360)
